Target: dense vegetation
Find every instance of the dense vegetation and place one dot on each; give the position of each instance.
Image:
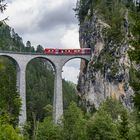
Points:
(106, 124)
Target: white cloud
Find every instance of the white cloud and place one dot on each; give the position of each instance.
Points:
(23, 14)
(70, 39)
(50, 23)
(32, 15)
(49, 39)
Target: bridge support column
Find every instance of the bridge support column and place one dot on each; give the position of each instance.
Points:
(21, 87)
(58, 97)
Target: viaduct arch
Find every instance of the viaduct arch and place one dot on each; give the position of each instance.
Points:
(58, 61)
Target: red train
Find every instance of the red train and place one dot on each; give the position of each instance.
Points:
(67, 51)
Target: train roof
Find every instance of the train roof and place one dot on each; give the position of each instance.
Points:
(67, 48)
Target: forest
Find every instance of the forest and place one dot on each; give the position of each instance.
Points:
(111, 121)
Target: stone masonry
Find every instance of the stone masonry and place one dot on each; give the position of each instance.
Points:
(58, 61)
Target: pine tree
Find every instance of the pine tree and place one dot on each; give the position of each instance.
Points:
(124, 126)
(2, 6)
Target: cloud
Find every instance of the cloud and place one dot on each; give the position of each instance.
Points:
(45, 22)
(23, 15)
(50, 39)
(70, 39)
(34, 15)
(60, 15)
(50, 23)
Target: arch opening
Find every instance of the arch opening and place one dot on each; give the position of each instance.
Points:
(39, 88)
(71, 70)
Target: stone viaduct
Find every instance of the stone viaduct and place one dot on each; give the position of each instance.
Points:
(58, 61)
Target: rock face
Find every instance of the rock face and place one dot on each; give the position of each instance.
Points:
(107, 74)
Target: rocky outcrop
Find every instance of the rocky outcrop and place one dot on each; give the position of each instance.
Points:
(107, 74)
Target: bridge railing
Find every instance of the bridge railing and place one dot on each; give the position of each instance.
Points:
(28, 53)
(34, 53)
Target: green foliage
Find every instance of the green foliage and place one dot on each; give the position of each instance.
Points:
(39, 49)
(40, 83)
(101, 127)
(69, 93)
(111, 121)
(48, 109)
(9, 40)
(98, 65)
(29, 47)
(7, 132)
(124, 126)
(47, 130)
(74, 126)
(113, 107)
(74, 123)
(107, 9)
(135, 58)
(105, 124)
(82, 9)
(10, 102)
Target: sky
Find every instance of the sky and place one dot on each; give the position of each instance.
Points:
(50, 23)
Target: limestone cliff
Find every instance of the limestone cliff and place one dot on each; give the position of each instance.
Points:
(107, 74)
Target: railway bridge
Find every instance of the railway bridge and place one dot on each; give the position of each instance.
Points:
(57, 61)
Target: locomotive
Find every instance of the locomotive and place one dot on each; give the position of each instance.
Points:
(67, 51)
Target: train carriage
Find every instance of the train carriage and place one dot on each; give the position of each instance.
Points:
(67, 51)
